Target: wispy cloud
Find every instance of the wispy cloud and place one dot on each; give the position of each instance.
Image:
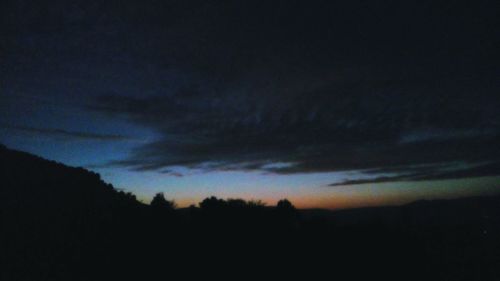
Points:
(249, 87)
(67, 135)
(241, 134)
(425, 173)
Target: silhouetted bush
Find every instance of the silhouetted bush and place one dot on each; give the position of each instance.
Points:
(161, 203)
(284, 204)
(256, 204)
(212, 203)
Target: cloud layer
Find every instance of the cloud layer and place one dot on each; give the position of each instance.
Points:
(282, 87)
(66, 135)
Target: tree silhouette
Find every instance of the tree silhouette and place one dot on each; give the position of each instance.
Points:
(236, 203)
(212, 203)
(256, 204)
(286, 212)
(284, 204)
(159, 202)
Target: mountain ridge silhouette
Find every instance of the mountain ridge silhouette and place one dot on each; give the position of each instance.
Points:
(65, 223)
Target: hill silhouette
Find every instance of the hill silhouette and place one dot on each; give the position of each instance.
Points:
(64, 223)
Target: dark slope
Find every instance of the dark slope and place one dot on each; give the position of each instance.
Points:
(63, 223)
(42, 196)
(55, 217)
(29, 181)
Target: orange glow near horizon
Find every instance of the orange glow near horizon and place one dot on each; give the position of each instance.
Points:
(369, 195)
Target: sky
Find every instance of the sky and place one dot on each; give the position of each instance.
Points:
(331, 104)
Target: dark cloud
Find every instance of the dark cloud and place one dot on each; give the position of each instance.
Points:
(66, 135)
(319, 86)
(313, 136)
(425, 173)
(366, 181)
(172, 173)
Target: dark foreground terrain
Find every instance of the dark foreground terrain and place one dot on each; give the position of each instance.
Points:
(63, 223)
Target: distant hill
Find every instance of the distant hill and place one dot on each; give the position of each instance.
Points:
(64, 223)
(54, 217)
(31, 181)
(460, 211)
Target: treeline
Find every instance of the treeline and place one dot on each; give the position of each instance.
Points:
(214, 204)
(219, 216)
(63, 223)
